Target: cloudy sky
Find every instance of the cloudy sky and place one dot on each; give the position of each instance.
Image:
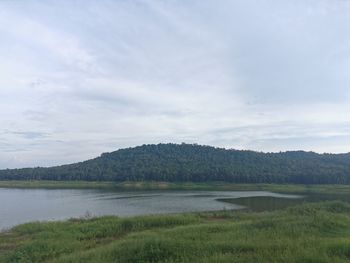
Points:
(78, 78)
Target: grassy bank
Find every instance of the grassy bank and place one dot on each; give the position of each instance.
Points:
(318, 232)
(57, 184)
(213, 186)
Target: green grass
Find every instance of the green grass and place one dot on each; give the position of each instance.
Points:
(317, 232)
(219, 186)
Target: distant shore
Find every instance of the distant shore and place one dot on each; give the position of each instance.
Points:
(151, 185)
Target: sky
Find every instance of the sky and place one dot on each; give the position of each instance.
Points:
(82, 77)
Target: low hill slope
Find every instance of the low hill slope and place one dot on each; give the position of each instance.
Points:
(196, 163)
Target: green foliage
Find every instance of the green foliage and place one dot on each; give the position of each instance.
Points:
(45, 241)
(317, 232)
(195, 163)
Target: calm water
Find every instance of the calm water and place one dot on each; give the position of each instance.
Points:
(25, 205)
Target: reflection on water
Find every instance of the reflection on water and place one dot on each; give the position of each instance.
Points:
(25, 205)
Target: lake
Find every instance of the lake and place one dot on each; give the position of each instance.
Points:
(25, 205)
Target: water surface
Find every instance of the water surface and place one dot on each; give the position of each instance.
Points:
(25, 205)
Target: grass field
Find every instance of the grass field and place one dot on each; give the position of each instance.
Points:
(318, 232)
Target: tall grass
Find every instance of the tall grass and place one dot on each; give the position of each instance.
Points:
(318, 232)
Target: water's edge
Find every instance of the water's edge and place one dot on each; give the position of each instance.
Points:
(19, 206)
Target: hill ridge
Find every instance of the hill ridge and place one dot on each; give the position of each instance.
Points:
(197, 163)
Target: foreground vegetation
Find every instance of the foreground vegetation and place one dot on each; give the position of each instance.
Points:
(318, 232)
(196, 163)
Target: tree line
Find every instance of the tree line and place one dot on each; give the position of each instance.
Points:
(196, 163)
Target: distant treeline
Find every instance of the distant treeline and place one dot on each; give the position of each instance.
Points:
(196, 163)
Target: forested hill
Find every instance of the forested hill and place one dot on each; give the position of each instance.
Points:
(187, 162)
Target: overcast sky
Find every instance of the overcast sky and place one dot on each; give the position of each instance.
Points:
(78, 78)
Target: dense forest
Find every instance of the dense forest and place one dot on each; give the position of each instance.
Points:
(196, 163)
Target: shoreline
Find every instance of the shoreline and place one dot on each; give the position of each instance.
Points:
(153, 185)
(244, 234)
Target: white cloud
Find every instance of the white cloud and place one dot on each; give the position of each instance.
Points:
(80, 78)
